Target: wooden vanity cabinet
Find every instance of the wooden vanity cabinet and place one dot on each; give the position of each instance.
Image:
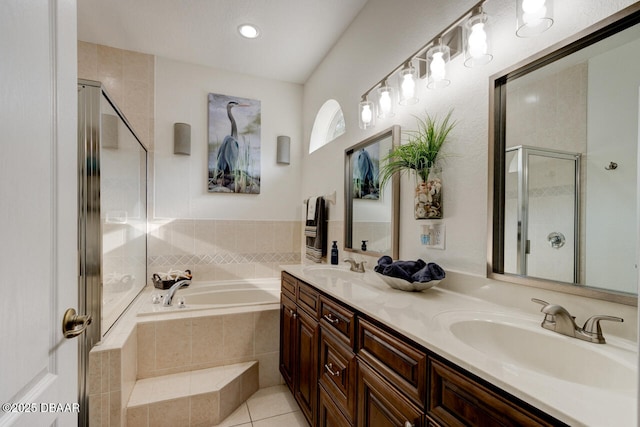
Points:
(348, 370)
(299, 332)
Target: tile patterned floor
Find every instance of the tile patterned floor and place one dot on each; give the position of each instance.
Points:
(268, 407)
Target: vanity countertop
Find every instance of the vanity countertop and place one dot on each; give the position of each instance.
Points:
(424, 316)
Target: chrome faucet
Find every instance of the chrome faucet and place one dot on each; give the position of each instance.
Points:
(558, 319)
(172, 291)
(358, 267)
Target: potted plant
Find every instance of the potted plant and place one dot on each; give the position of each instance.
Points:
(420, 156)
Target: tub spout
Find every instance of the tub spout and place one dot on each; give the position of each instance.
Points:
(172, 291)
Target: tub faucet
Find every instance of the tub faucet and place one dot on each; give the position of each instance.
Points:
(358, 267)
(172, 291)
(558, 319)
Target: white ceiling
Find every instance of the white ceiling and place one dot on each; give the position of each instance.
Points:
(295, 34)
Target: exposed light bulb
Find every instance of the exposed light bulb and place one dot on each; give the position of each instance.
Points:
(385, 102)
(478, 41)
(534, 17)
(366, 115)
(437, 67)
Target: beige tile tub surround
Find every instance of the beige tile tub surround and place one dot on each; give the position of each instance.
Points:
(114, 364)
(224, 249)
(180, 345)
(196, 398)
(112, 375)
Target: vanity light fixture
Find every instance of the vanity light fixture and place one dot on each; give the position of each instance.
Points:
(366, 114)
(248, 31)
(407, 82)
(477, 49)
(533, 17)
(437, 59)
(386, 101)
(432, 59)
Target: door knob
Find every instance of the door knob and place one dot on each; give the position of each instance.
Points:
(74, 324)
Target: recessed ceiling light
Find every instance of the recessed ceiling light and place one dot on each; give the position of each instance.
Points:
(249, 31)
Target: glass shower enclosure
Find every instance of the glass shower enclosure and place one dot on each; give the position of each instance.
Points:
(112, 166)
(542, 205)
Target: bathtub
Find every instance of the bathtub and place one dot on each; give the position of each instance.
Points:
(214, 295)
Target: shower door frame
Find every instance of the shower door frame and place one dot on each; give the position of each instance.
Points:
(522, 245)
(90, 247)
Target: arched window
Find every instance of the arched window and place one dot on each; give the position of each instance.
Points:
(329, 125)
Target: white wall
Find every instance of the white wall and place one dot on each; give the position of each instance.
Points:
(180, 182)
(380, 38)
(614, 78)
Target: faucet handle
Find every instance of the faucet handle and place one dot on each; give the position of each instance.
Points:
(539, 301)
(592, 325)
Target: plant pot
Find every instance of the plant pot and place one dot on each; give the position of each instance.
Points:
(428, 195)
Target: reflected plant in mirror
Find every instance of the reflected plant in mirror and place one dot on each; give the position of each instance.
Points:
(371, 206)
(562, 217)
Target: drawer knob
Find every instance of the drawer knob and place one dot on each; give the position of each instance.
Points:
(331, 319)
(329, 369)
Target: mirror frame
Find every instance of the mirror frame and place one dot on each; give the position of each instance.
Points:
(394, 133)
(497, 134)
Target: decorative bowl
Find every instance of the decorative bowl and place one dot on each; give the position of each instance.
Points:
(403, 285)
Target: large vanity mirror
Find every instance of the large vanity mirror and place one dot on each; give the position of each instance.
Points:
(563, 161)
(371, 212)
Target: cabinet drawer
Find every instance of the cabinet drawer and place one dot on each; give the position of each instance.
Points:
(456, 400)
(381, 405)
(400, 363)
(289, 285)
(308, 299)
(328, 413)
(338, 319)
(337, 366)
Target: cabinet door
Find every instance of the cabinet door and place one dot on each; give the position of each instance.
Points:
(328, 413)
(288, 341)
(306, 379)
(338, 372)
(456, 400)
(381, 405)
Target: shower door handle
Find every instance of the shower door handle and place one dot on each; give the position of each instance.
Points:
(74, 324)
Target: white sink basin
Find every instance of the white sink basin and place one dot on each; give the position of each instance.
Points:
(523, 343)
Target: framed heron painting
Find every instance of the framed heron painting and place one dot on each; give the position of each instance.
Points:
(234, 144)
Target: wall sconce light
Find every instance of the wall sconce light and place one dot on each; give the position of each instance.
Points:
(366, 114)
(477, 49)
(283, 150)
(437, 57)
(386, 101)
(407, 79)
(182, 139)
(533, 17)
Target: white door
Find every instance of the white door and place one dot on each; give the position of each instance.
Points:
(38, 211)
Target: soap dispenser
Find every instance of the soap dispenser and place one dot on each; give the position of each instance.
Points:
(364, 245)
(334, 253)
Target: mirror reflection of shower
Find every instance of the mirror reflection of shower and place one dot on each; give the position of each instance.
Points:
(542, 205)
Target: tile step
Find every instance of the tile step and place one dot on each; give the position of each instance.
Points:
(201, 397)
